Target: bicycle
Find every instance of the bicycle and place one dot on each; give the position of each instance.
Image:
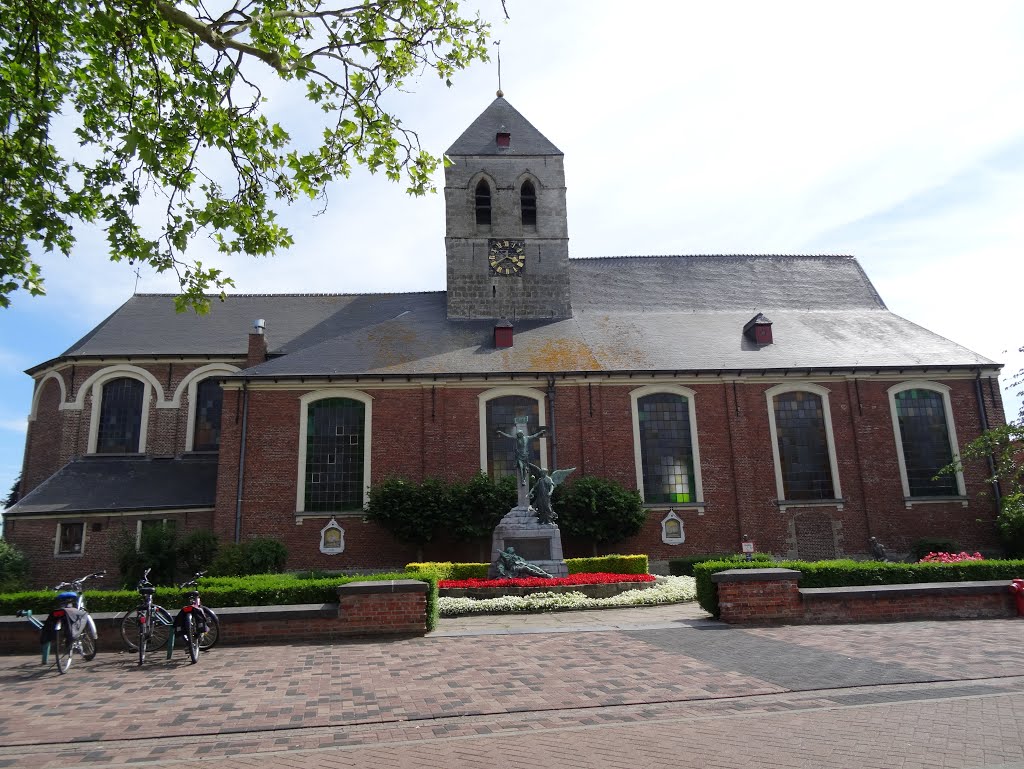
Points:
(197, 625)
(150, 625)
(69, 628)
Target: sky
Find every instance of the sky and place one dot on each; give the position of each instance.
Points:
(893, 132)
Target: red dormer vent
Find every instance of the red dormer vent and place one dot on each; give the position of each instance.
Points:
(503, 334)
(503, 139)
(758, 330)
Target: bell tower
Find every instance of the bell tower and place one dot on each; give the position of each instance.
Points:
(506, 240)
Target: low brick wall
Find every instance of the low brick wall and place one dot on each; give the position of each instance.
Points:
(773, 596)
(372, 608)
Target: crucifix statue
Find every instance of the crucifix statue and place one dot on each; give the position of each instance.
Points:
(522, 452)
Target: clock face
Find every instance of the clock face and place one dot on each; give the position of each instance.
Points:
(506, 257)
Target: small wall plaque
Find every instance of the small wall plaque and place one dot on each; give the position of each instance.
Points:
(332, 538)
(672, 531)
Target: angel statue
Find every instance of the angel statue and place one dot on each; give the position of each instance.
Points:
(543, 489)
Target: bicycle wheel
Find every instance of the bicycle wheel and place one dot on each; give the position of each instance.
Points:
(208, 639)
(62, 651)
(192, 638)
(88, 646)
(162, 627)
(129, 627)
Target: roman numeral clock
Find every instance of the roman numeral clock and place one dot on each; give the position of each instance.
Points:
(506, 257)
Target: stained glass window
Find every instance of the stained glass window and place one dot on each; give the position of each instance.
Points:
(120, 424)
(501, 415)
(803, 446)
(925, 437)
(335, 436)
(483, 203)
(666, 448)
(209, 399)
(528, 203)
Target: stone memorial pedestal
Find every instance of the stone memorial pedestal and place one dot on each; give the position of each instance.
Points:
(539, 543)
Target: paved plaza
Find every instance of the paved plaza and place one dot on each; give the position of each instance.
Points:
(630, 688)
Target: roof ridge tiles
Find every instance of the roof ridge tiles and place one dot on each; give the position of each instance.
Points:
(308, 294)
(715, 256)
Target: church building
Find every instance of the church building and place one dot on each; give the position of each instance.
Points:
(772, 397)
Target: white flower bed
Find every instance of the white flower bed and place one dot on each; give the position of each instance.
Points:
(667, 590)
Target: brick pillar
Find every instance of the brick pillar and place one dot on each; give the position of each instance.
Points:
(754, 596)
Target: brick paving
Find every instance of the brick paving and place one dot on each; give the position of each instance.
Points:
(652, 687)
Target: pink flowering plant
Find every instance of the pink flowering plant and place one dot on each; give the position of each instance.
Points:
(951, 557)
(598, 578)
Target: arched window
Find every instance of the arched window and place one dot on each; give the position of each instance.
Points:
(802, 445)
(666, 448)
(501, 414)
(209, 399)
(528, 203)
(921, 418)
(334, 458)
(483, 202)
(120, 418)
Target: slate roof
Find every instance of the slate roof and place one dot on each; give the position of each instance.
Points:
(100, 483)
(479, 138)
(657, 313)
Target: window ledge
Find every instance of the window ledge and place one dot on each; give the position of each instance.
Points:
(784, 503)
(301, 515)
(698, 506)
(911, 501)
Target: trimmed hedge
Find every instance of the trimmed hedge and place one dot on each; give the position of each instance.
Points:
(683, 566)
(605, 564)
(608, 564)
(844, 573)
(218, 592)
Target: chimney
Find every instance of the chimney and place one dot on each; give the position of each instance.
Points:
(503, 334)
(758, 330)
(257, 344)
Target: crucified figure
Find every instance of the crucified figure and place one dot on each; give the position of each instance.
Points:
(522, 451)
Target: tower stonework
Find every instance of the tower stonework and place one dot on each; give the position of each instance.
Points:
(515, 266)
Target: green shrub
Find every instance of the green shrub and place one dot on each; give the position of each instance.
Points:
(411, 512)
(683, 565)
(921, 547)
(13, 567)
(261, 555)
(598, 509)
(478, 505)
(196, 552)
(608, 564)
(157, 551)
(1010, 523)
(844, 573)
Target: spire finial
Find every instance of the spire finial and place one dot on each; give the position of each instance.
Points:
(497, 47)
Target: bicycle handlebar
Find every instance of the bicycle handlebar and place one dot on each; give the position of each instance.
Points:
(76, 584)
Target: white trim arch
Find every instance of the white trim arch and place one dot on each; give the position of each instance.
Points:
(95, 384)
(112, 372)
(38, 393)
(319, 395)
(503, 392)
(943, 390)
(823, 393)
(191, 384)
(691, 399)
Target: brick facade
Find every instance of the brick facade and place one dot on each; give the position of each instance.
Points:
(431, 429)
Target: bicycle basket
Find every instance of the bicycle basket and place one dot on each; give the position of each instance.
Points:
(67, 597)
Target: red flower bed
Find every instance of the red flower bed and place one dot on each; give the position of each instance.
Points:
(572, 579)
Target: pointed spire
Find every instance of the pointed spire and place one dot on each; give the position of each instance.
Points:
(501, 117)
